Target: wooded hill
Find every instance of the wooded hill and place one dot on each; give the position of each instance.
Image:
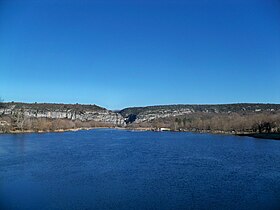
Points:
(222, 118)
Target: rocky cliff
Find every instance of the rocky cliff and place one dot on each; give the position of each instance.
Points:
(149, 113)
(225, 117)
(63, 111)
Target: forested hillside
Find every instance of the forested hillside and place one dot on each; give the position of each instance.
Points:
(234, 118)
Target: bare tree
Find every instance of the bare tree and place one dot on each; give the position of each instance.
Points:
(1, 102)
(19, 118)
(2, 106)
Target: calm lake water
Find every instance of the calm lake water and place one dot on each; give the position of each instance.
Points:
(118, 169)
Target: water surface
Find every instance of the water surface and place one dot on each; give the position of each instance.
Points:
(119, 169)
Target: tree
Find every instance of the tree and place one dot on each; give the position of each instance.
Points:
(1, 103)
(184, 122)
(2, 106)
(19, 118)
(264, 127)
(177, 123)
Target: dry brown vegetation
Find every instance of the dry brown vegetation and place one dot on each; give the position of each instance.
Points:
(212, 122)
(232, 118)
(12, 124)
(17, 121)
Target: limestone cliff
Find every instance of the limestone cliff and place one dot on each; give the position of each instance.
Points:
(63, 111)
(149, 113)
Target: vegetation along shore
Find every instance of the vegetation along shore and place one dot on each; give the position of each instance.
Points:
(256, 120)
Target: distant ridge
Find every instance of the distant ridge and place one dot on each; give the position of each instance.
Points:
(237, 118)
(233, 107)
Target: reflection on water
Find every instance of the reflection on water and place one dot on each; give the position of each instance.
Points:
(19, 142)
(114, 169)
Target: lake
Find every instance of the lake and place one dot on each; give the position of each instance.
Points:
(120, 169)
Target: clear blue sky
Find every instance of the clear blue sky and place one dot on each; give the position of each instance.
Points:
(133, 53)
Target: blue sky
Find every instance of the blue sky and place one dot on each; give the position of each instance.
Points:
(134, 53)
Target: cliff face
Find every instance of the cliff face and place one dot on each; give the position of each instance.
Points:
(226, 117)
(63, 111)
(149, 113)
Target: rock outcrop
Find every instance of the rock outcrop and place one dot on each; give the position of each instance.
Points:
(63, 111)
(149, 113)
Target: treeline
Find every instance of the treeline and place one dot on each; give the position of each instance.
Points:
(265, 122)
(51, 106)
(18, 124)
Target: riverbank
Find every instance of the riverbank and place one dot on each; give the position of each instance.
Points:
(274, 136)
(55, 131)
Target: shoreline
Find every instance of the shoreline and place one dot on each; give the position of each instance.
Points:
(271, 136)
(54, 131)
